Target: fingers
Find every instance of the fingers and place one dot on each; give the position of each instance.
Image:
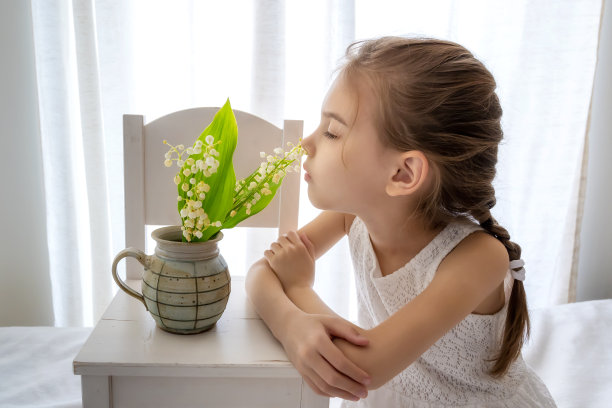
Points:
(309, 245)
(268, 255)
(300, 241)
(328, 381)
(316, 389)
(340, 384)
(356, 378)
(322, 364)
(291, 237)
(295, 238)
(334, 393)
(344, 330)
(275, 248)
(332, 372)
(283, 240)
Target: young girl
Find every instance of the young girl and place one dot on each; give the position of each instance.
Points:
(402, 162)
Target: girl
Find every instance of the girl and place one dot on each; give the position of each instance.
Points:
(402, 162)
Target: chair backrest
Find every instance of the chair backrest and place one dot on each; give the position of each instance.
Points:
(150, 193)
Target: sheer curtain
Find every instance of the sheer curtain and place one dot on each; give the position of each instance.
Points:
(99, 59)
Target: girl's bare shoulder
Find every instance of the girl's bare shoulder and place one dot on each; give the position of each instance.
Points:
(481, 254)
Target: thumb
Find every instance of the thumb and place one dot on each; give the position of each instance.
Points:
(307, 243)
(345, 330)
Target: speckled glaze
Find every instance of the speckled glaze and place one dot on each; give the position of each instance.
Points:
(185, 285)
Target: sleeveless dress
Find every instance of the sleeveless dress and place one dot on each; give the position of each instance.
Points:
(454, 371)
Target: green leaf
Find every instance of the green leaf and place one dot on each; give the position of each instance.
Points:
(219, 199)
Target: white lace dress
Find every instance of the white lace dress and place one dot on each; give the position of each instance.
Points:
(453, 372)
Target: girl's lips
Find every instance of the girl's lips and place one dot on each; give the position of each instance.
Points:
(307, 177)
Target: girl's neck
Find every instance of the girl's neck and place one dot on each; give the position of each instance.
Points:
(397, 237)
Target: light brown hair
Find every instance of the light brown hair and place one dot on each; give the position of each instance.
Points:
(436, 97)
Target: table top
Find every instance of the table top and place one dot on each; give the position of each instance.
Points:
(126, 341)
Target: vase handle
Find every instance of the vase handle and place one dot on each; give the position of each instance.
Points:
(140, 257)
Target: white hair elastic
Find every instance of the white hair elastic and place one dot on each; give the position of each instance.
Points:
(520, 274)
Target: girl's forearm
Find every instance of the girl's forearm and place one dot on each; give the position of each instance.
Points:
(269, 299)
(275, 304)
(307, 329)
(307, 300)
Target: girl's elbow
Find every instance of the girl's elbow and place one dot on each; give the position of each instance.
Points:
(375, 359)
(366, 358)
(249, 283)
(252, 276)
(378, 377)
(381, 372)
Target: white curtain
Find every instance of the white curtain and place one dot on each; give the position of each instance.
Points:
(99, 59)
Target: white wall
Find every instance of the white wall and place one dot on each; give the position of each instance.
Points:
(25, 287)
(595, 262)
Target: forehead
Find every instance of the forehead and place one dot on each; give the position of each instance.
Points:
(349, 101)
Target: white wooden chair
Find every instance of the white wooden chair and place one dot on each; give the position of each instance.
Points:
(127, 360)
(150, 194)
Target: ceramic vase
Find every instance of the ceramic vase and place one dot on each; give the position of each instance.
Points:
(185, 285)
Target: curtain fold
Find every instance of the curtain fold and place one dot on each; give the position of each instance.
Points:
(94, 153)
(62, 147)
(99, 59)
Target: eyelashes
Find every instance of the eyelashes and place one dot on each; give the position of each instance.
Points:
(329, 135)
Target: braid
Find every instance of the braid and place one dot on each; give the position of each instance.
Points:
(517, 327)
(493, 228)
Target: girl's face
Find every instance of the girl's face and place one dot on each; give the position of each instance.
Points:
(347, 165)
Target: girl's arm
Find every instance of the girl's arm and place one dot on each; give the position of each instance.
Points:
(293, 256)
(307, 337)
(473, 270)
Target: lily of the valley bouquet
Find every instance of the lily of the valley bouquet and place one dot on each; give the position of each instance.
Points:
(209, 196)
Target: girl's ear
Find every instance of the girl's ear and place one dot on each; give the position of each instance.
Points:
(409, 175)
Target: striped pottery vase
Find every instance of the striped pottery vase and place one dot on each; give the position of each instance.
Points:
(185, 285)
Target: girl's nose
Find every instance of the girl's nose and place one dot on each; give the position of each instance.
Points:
(308, 145)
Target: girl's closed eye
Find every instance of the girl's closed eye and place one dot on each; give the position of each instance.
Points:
(329, 135)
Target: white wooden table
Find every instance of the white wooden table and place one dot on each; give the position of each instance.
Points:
(129, 362)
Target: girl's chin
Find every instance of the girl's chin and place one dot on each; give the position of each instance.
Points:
(316, 201)
(323, 204)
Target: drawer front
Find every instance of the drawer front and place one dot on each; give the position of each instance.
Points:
(176, 392)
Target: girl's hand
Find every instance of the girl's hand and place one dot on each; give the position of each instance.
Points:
(291, 258)
(308, 343)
